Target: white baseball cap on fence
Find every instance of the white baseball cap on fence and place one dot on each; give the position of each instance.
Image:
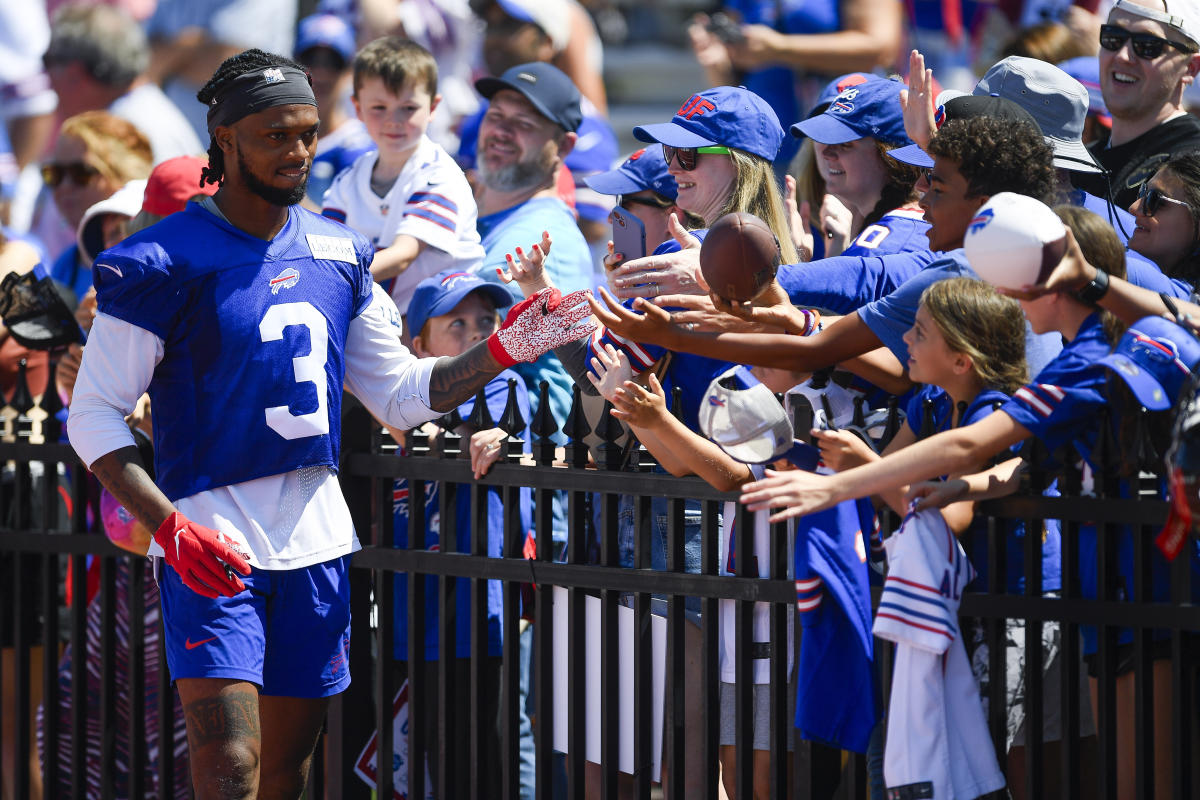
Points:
(744, 419)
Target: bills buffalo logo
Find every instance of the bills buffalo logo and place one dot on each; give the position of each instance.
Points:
(637, 155)
(273, 75)
(1155, 349)
(285, 280)
(981, 221)
(939, 117)
(843, 103)
(713, 400)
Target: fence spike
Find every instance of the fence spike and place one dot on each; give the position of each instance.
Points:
(544, 427)
(577, 427)
(511, 421)
(480, 418)
(52, 404)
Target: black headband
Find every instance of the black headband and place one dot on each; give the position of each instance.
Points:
(257, 91)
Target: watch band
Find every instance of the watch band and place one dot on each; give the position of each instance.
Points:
(1093, 290)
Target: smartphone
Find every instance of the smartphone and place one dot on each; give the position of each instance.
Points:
(722, 26)
(629, 234)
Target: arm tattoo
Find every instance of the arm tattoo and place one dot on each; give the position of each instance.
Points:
(225, 718)
(123, 474)
(456, 379)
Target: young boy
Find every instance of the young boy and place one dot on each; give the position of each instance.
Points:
(408, 197)
(447, 314)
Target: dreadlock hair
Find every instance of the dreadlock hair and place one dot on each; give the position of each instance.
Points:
(230, 69)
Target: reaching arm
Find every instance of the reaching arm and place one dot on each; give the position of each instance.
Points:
(846, 338)
(999, 481)
(397, 257)
(948, 453)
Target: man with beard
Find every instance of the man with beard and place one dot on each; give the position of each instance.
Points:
(244, 315)
(529, 128)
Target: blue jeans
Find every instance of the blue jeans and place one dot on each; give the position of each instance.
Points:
(659, 506)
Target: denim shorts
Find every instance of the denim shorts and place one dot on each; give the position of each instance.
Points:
(659, 506)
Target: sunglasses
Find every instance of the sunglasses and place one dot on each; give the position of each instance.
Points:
(1145, 45)
(686, 156)
(1152, 200)
(625, 201)
(78, 173)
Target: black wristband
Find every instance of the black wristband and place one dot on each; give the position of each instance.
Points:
(1093, 290)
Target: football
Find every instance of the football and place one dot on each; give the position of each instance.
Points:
(1014, 241)
(739, 256)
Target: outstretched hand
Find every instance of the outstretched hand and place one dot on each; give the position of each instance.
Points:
(528, 270)
(652, 326)
(917, 101)
(797, 217)
(841, 449)
(610, 369)
(540, 323)
(669, 273)
(797, 492)
(641, 406)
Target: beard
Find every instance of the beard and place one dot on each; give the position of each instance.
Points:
(524, 174)
(273, 195)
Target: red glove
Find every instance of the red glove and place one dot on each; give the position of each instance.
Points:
(203, 558)
(540, 323)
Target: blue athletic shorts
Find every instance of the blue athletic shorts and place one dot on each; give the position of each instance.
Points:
(288, 632)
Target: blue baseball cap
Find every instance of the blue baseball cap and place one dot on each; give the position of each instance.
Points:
(838, 85)
(1155, 357)
(732, 116)
(868, 110)
(644, 170)
(545, 86)
(325, 30)
(441, 293)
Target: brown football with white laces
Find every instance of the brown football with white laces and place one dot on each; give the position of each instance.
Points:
(739, 256)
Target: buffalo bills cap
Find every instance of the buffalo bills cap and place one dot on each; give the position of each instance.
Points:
(644, 170)
(1058, 103)
(744, 419)
(546, 86)
(441, 293)
(325, 30)
(838, 85)
(965, 106)
(732, 116)
(1155, 357)
(870, 109)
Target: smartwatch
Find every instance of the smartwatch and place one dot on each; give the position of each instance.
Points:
(1093, 290)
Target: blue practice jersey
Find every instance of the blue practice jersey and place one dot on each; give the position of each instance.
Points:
(253, 336)
(837, 699)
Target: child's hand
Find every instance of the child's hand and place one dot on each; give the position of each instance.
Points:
(936, 494)
(529, 268)
(487, 447)
(610, 369)
(641, 407)
(841, 449)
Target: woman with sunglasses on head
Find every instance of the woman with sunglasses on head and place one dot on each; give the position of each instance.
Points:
(95, 154)
(1167, 219)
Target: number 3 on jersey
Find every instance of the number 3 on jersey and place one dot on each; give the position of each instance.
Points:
(308, 368)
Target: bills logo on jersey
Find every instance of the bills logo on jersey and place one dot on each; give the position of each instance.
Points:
(285, 280)
(332, 248)
(273, 75)
(981, 221)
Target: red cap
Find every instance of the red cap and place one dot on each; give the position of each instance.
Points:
(173, 182)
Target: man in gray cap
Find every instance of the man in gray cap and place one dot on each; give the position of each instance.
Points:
(1148, 56)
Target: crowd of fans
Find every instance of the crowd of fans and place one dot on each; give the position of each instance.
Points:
(471, 145)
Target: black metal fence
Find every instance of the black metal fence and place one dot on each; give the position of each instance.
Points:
(110, 726)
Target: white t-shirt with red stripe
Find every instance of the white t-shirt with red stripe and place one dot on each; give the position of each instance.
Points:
(430, 201)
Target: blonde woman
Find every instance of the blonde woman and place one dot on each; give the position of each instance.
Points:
(95, 154)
